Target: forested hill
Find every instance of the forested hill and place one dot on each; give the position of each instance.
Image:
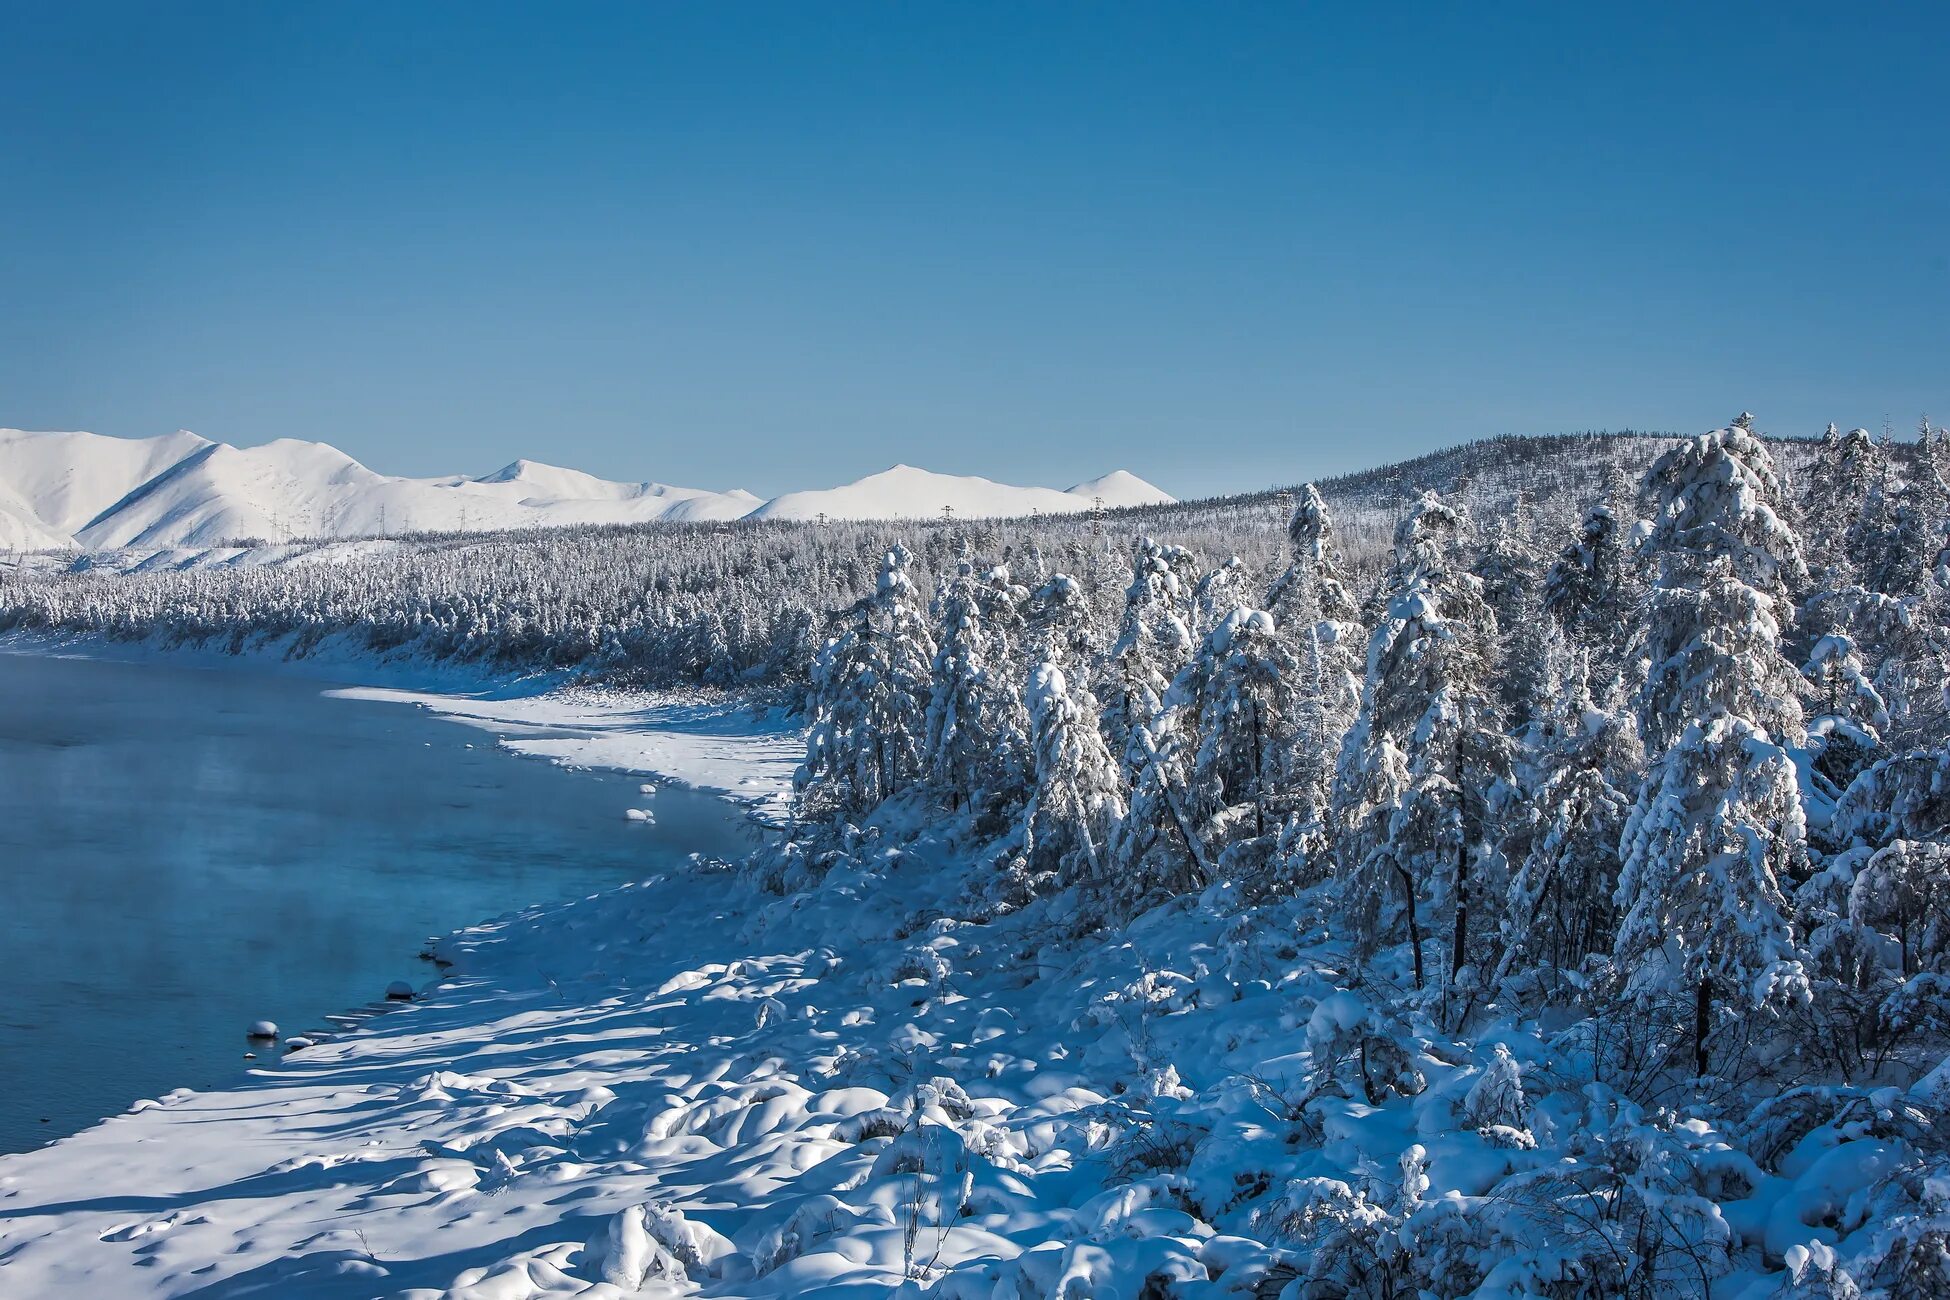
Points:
(748, 601)
(1593, 877)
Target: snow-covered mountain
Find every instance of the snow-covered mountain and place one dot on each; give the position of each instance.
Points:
(905, 492)
(95, 492)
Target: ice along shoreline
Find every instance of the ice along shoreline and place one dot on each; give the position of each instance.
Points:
(176, 980)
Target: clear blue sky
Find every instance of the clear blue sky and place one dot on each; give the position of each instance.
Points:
(781, 246)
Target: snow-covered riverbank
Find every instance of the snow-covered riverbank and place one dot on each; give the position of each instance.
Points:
(718, 745)
(688, 1085)
(169, 1151)
(713, 741)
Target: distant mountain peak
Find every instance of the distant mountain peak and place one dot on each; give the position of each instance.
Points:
(1120, 487)
(182, 490)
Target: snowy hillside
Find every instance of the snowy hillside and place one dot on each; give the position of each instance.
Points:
(53, 485)
(94, 492)
(905, 492)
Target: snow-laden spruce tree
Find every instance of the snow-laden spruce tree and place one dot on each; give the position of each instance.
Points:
(1560, 901)
(1154, 641)
(1718, 825)
(1510, 568)
(1162, 847)
(1888, 545)
(1724, 557)
(1208, 769)
(1719, 495)
(1903, 891)
(1243, 700)
(1592, 592)
(1716, 830)
(956, 745)
(1425, 768)
(1215, 596)
(870, 691)
(977, 736)
(1902, 803)
(1319, 624)
(1077, 799)
(1060, 627)
(1711, 644)
(1848, 467)
(1849, 713)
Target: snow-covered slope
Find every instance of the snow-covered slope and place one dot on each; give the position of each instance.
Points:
(905, 492)
(1120, 487)
(52, 485)
(99, 493)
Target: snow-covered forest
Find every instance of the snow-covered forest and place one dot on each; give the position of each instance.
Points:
(726, 602)
(1591, 794)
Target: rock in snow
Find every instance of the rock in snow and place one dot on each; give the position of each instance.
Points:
(263, 1029)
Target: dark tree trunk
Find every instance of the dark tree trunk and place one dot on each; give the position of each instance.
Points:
(1414, 922)
(1259, 778)
(1460, 941)
(1702, 1023)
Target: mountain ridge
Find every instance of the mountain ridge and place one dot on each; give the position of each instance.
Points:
(93, 492)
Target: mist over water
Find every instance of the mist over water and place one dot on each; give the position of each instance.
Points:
(186, 850)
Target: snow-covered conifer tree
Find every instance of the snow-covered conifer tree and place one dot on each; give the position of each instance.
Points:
(1591, 590)
(1059, 627)
(1215, 596)
(977, 730)
(871, 687)
(1508, 566)
(1724, 555)
(1847, 468)
(955, 743)
(1850, 714)
(1425, 767)
(1903, 890)
(1560, 900)
(1154, 641)
(1717, 829)
(1718, 824)
(1244, 715)
(1078, 796)
(1320, 625)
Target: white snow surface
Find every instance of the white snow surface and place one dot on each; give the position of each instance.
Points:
(181, 493)
(710, 744)
(688, 1086)
(905, 492)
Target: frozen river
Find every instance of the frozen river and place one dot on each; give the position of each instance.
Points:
(186, 850)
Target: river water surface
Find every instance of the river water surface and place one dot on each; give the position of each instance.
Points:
(186, 850)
